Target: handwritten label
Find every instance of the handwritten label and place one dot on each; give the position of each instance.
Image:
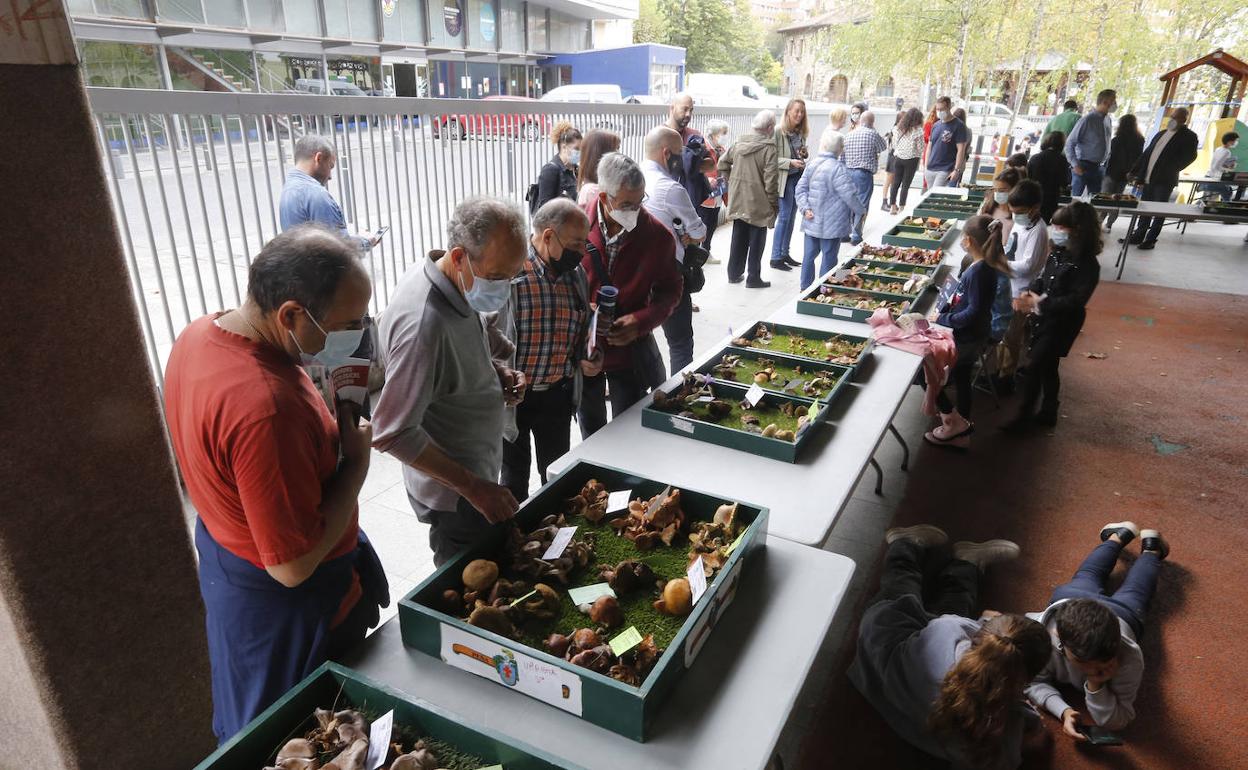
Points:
(618, 501)
(697, 579)
(543, 681)
(560, 543)
(379, 740)
(842, 311)
(589, 594)
(681, 424)
(754, 394)
(626, 641)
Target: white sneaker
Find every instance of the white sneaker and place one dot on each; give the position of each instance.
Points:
(925, 535)
(987, 553)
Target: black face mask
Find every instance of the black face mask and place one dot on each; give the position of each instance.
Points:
(565, 263)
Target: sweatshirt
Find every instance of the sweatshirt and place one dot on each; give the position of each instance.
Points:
(1112, 706)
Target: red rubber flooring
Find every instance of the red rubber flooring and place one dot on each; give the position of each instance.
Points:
(1157, 432)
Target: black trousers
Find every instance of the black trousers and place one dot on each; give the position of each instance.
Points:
(626, 389)
(452, 531)
(1042, 383)
(547, 415)
(1148, 229)
(747, 250)
(962, 378)
(903, 175)
(710, 218)
(946, 586)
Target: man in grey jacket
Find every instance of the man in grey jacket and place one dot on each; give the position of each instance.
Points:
(441, 410)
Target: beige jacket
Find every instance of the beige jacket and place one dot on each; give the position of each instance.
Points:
(753, 179)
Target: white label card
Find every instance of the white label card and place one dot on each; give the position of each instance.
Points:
(379, 740)
(560, 543)
(589, 594)
(681, 424)
(754, 394)
(543, 681)
(705, 399)
(618, 501)
(697, 579)
(842, 311)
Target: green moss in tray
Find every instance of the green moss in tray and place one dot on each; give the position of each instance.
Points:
(880, 271)
(834, 295)
(910, 255)
(448, 755)
(772, 374)
(837, 350)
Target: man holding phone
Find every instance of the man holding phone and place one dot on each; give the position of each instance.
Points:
(305, 195)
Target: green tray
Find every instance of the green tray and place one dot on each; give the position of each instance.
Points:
(1128, 204)
(813, 335)
(912, 235)
(732, 435)
(1227, 208)
(603, 701)
(869, 266)
(963, 212)
(873, 256)
(843, 374)
(807, 304)
(257, 744)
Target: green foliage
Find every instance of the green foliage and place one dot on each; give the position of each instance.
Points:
(717, 35)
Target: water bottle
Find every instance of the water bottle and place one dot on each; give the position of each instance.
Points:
(606, 313)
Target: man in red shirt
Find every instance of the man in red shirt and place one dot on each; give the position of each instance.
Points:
(631, 250)
(283, 568)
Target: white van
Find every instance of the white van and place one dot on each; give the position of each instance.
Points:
(728, 91)
(594, 93)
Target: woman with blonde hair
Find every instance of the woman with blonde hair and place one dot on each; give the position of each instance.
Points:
(558, 177)
(791, 153)
(838, 120)
(598, 142)
(948, 678)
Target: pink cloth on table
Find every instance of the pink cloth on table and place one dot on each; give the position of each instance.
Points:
(933, 343)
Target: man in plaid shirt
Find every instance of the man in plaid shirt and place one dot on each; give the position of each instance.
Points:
(548, 320)
(862, 157)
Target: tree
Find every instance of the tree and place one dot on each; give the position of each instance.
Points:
(717, 35)
(651, 25)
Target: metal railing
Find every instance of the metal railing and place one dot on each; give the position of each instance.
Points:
(193, 211)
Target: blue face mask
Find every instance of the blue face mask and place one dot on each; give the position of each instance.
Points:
(338, 345)
(487, 294)
(1022, 220)
(1001, 197)
(574, 158)
(1059, 237)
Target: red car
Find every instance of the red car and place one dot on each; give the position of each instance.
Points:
(463, 126)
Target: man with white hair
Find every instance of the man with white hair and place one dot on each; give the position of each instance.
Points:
(863, 146)
(669, 202)
(753, 176)
(631, 251)
(305, 194)
(441, 410)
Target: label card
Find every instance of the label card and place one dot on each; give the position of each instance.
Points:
(618, 501)
(560, 543)
(705, 399)
(626, 641)
(792, 385)
(379, 740)
(589, 594)
(654, 504)
(697, 579)
(842, 311)
(522, 598)
(546, 682)
(754, 394)
(681, 424)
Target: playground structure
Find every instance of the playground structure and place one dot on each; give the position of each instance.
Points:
(1209, 119)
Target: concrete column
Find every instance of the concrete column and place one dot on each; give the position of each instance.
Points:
(103, 657)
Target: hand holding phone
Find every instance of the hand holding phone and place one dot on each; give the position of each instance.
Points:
(1098, 736)
(376, 239)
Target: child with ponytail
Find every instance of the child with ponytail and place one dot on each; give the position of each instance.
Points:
(946, 679)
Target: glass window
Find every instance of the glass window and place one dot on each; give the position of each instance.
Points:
(302, 17)
(336, 23)
(119, 65)
(446, 23)
(80, 7)
(537, 28)
(129, 8)
(567, 33)
(412, 19)
(482, 25)
(226, 13)
(511, 22)
(266, 15)
(180, 10)
(363, 19)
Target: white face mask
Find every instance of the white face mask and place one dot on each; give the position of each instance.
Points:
(1058, 237)
(625, 219)
(1001, 197)
(1172, 124)
(1022, 220)
(338, 345)
(942, 114)
(487, 294)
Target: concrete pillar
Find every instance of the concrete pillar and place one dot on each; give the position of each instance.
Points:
(102, 652)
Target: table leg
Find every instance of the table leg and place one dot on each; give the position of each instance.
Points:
(905, 449)
(1126, 244)
(879, 477)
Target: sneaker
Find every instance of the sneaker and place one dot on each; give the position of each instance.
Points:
(925, 535)
(894, 210)
(960, 441)
(987, 553)
(758, 284)
(1151, 541)
(781, 265)
(1125, 530)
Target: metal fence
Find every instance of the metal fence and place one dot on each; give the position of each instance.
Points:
(196, 178)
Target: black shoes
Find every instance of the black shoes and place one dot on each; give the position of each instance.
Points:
(1151, 541)
(1125, 530)
(758, 284)
(1146, 245)
(792, 262)
(738, 279)
(1047, 416)
(1023, 423)
(781, 265)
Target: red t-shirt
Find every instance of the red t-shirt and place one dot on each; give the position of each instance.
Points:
(255, 442)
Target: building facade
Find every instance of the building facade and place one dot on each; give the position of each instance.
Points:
(438, 48)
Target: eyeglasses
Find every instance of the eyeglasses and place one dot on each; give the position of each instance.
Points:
(644, 197)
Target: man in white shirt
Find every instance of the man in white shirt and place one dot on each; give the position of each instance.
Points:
(669, 202)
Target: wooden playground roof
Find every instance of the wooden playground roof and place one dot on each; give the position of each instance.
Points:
(1219, 59)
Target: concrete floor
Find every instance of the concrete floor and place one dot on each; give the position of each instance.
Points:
(1208, 258)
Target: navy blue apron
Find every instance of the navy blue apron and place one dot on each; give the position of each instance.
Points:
(263, 638)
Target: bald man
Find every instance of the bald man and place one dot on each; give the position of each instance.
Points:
(680, 115)
(669, 201)
(1171, 150)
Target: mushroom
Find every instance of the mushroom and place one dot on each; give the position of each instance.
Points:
(726, 515)
(596, 659)
(419, 758)
(452, 602)
(492, 619)
(585, 638)
(543, 604)
(761, 378)
(296, 754)
(719, 409)
(625, 673)
(606, 612)
(558, 644)
(677, 598)
(770, 430)
(784, 435)
(480, 574)
(628, 575)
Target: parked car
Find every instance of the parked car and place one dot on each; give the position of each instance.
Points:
(463, 126)
(989, 118)
(720, 90)
(336, 87)
(594, 93)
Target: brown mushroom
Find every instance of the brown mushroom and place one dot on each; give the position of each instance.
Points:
(628, 575)
(606, 612)
(726, 515)
(677, 598)
(596, 659)
(585, 638)
(558, 644)
(784, 435)
(492, 619)
(419, 758)
(480, 574)
(543, 604)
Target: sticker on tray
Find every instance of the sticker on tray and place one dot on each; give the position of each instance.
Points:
(625, 641)
(379, 740)
(705, 399)
(680, 423)
(754, 394)
(728, 580)
(697, 579)
(618, 501)
(543, 681)
(560, 543)
(842, 311)
(589, 594)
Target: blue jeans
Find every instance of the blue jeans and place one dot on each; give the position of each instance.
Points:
(829, 247)
(864, 183)
(1130, 601)
(787, 218)
(1223, 191)
(1089, 180)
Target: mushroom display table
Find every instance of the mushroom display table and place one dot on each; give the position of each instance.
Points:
(729, 714)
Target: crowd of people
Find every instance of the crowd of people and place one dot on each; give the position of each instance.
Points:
(525, 321)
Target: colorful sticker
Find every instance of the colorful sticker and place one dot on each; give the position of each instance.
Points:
(543, 681)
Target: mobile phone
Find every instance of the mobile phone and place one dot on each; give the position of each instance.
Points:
(380, 232)
(1098, 736)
